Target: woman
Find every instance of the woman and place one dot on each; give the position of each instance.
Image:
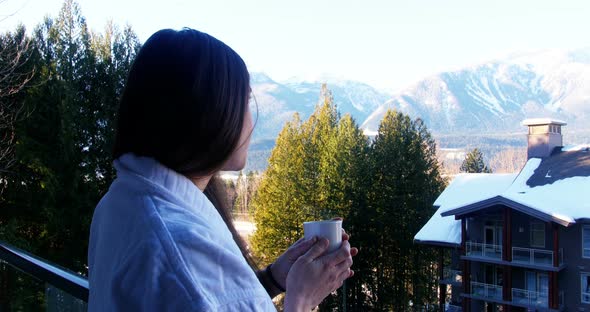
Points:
(162, 237)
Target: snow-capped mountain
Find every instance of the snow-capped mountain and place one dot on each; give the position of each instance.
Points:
(277, 102)
(497, 96)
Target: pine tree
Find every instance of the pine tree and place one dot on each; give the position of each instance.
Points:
(278, 203)
(63, 155)
(16, 71)
(343, 168)
(64, 145)
(317, 170)
(474, 163)
(406, 181)
(291, 184)
(343, 186)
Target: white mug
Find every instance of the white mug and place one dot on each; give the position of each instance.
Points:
(329, 229)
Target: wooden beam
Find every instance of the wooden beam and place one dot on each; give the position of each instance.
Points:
(442, 287)
(466, 278)
(463, 236)
(554, 276)
(555, 244)
(507, 235)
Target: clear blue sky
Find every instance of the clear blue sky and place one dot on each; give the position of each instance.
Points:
(386, 43)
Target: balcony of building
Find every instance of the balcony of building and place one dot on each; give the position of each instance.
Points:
(486, 291)
(482, 250)
(535, 257)
(529, 299)
(507, 237)
(33, 284)
(524, 289)
(532, 299)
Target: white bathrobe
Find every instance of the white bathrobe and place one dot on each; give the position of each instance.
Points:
(158, 244)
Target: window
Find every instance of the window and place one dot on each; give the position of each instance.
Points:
(586, 241)
(555, 129)
(538, 234)
(585, 278)
(538, 129)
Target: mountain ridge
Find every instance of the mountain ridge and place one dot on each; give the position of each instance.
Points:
(277, 102)
(498, 95)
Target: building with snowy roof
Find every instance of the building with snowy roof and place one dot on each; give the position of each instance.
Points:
(518, 241)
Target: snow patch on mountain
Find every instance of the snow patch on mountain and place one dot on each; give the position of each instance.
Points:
(496, 95)
(277, 102)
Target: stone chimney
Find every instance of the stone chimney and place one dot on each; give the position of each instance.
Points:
(544, 135)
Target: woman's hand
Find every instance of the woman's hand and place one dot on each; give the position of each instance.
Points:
(314, 275)
(280, 268)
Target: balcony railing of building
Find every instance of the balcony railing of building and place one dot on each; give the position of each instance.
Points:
(535, 256)
(453, 308)
(484, 291)
(474, 249)
(33, 283)
(452, 276)
(533, 298)
(530, 298)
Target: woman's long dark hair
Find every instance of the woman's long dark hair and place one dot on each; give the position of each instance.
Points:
(184, 105)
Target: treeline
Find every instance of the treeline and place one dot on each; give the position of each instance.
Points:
(56, 153)
(500, 160)
(325, 167)
(505, 154)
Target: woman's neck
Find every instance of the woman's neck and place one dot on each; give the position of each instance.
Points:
(201, 182)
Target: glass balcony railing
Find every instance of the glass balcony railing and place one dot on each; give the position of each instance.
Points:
(484, 291)
(59, 300)
(535, 256)
(530, 298)
(474, 249)
(28, 283)
(453, 308)
(533, 298)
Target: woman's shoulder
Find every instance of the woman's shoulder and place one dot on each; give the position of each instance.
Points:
(152, 239)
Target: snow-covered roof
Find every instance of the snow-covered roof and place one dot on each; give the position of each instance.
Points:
(555, 188)
(564, 199)
(466, 188)
(543, 121)
(440, 230)
(578, 147)
(469, 188)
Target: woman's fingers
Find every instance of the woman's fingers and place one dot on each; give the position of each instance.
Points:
(354, 251)
(344, 265)
(299, 241)
(345, 236)
(299, 248)
(316, 274)
(344, 275)
(340, 254)
(316, 250)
